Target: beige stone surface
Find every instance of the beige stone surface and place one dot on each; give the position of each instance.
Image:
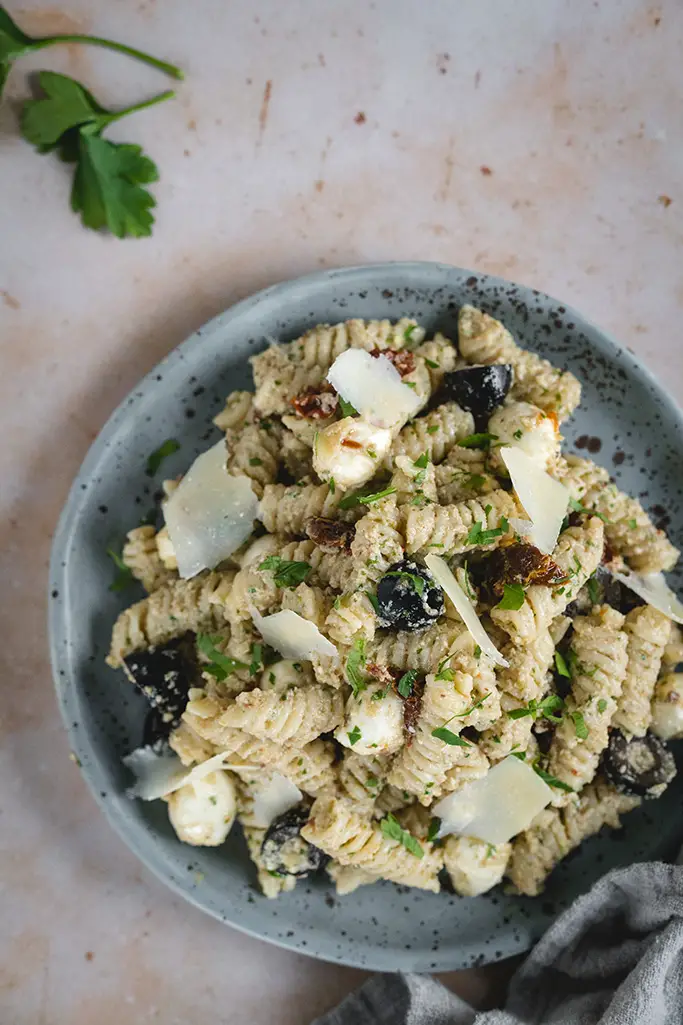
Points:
(538, 140)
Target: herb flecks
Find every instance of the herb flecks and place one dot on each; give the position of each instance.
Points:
(166, 449)
(392, 829)
(286, 574)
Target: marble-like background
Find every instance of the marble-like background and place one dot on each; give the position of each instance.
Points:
(539, 140)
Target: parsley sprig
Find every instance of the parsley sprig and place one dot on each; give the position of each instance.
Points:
(546, 708)
(479, 535)
(407, 682)
(355, 665)
(513, 597)
(392, 829)
(166, 449)
(358, 498)
(414, 579)
(219, 665)
(448, 737)
(286, 574)
(124, 576)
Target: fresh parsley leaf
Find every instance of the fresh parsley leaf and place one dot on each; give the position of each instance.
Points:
(371, 782)
(474, 480)
(579, 507)
(354, 735)
(157, 457)
(477, 651)
(594, 589)
(124, 576)
(332, 485)
(518, 754)
(391, 828)
(433, 429)
(520, 713)
(434, 827)
(431, 364)
(355, 663)
(580, 725)
(551, 780)
(349, 501)
(518, 434)
(409, 331)
(482, 441)
(477, 535)
(256, 663)
(255, 461)
(407, 682)
(443, 672)
(372, 598)
(632, 524)
(513, 597)
(422, 461)
(220, 666)
(14, 43)
(490, 850)
(602, 705)
(561, 665)
(414, 578)
(549, 705)
(448, 737)
(286, 574)
(346, 408)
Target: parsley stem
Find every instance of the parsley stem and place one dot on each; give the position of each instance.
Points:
(168, 95)
(109, 44)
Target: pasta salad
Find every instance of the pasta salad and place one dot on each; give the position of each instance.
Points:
(392, 629)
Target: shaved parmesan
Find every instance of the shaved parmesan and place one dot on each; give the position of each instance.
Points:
(545, 500)
(496, 807)
(292, 635)
(653, 589)
(444, 577)
(524, 528)
(374, 387)
(159, 774)
(271, 795)
(210, 514)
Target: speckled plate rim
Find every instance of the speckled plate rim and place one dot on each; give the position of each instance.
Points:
(63, 671)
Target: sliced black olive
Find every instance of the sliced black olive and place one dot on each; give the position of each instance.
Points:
(284, 850)
(408, 597)
(479, 389)
(155, 730)
(642, 766)
(164, 675)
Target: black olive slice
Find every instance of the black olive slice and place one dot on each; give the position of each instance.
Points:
(164, 675)
(284, 851)
(642, 766)
(479, 390)
(408, 597)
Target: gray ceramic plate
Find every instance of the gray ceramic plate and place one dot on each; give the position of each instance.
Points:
(627, 422)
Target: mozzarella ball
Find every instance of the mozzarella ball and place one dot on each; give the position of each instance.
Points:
(373, 723)
(667, 707)
(202, 812)
(475, 866)
(350, 451)
(527, 427)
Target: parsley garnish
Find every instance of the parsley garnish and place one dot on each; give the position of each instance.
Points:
(442, 733)
(578, 507)
(332, 485)
(602, 705)
(360, 499)
(477, 535)
(220, 666)
(355, 663)
(371, 782)
(482, 441)
(477, 651)
(579, 725)
(372, 598)
(346, 408)
(593, 589)
(406, 683)
(536, 709)
(409, 331)
(632, 524)
(157, 457)
(15, 43)
(422, 461)
(414, 578)
(433, 429)
(287, 574)
(434, 827)
(124, 576)
(550, 780)
(518, 434)
(354, 735)
(255, 461)
(513, 597)
(561, 664)
(474, 480)
(443, 673)
(256, 652)
(391, 828)
(431, 364)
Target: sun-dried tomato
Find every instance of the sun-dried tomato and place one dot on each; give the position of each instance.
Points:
(330, 534)
(412, 707)
(403, 359)
(515, 564)
(316, 403)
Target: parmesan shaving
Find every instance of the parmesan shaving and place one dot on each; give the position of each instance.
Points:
(374, 387)
(653, 589)
(441, 572)
(159, 774)
(292, 635)
(545, 500)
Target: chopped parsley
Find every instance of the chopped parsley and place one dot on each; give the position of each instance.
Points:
(360, 499)
(478, 535)
(157, 457)
(579, 725)
(355, 664)
(602, 705)
(518, 434)
(422, 461)
(406, 683)
(391, 828)
(372, 598)
(482, 441)
(124, 576)
(346, 408)
(474, 480)
(434, 827)
(431, 364)
(332, 485)
(255, 461)
(550, 780)
(407, 334)
(632, 524)
(414, 578)
(561, 664)
(220, 666)
(477, 651)
(287, 574)
(513, 597)
(593, 589)
(354, 735)
(256, 652)
(443, 673)
(545, 708)
(371, 782)
(448, 737)
(579, 507)
(433, 429)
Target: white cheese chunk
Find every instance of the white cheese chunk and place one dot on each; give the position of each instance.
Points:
(210, 514)
(653, 589)
(545, 500)
(350, 451)
(374, 387)
(373, 723)
(496, 807)
(271, 794)
(441, 572)
(474, 866)
(667, 707)
(160, 773)
(292, 635)
(528, 428)
(203, 811)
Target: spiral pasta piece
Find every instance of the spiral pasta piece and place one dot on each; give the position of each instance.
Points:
(351, 616)
(377, 544)
(286, 509)
(295, 718)
(474, 866)
(141, 556)
(415, 484)
(447, 529)
(557, 831)
(170, 611)
(482, 339)
(578, 555)
(423, 651)
(435, 433)
(360, 778)
(647, 632)
(629, 530)
(599, 648)
(352, 839)
(440, 356)
(234, 415)
(255, 454)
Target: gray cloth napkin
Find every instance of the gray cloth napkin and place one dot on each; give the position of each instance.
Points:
(614, 958)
